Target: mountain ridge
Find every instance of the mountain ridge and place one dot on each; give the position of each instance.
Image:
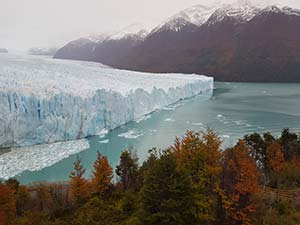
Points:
(233, 42)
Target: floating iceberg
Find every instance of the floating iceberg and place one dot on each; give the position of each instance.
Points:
(34, 158)
(45, 100)
(131, 134)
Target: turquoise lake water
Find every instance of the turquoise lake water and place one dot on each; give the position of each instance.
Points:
(235, 109)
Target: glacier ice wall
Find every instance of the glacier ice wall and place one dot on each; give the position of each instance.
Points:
(44, 100)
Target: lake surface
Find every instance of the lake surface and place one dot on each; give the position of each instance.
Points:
(235, 109)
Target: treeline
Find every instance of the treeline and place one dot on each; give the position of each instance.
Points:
(194, 181)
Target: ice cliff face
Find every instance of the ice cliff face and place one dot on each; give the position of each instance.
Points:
(45, 100)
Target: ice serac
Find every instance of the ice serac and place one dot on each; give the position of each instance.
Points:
(46, 100)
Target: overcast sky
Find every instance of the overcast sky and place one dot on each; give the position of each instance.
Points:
(28, 23)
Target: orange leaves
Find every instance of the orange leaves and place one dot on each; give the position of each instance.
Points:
(199, 151)
(102, 175)
(82, 188)
(78, 184)
(274, 157)
(192, 182)
(240, 183)
(7, 203)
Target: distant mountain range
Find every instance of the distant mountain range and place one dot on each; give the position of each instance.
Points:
(106, 48)
(232, 42)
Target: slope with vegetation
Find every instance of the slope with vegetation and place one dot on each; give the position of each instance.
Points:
(192, 182)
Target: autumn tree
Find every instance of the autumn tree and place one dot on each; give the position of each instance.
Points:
(23, 199)
(167, 194)
(154, 154)
(288, 177)
(78, 184)
(41, 198)
(97, 211)
(268, 139)
(21, 195)
(127, 170)
(256, 148)
(200, 155)
(240, 184)
(102, 175)
(7, 203)
(274, 157)
(290, 144)
(130, 203)
(37, 218)
(60, 196)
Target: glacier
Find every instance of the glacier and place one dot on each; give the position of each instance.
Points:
(44, 100)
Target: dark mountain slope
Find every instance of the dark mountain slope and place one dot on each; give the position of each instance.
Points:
(267, 48)
(238, 42)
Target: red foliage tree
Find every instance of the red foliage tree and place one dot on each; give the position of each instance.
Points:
(240, 184)
(78, 184)
(274, 157)
(102, 175)
(7, 203)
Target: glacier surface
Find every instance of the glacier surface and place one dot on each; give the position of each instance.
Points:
(45, 100)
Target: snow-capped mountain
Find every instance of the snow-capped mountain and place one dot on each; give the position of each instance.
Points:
(136, 31)
(196, 15)
(91, 39)
(235, 42)
(96, 38)
(241, 11)
(85, 48)
(282, 9)
(117, 46)
(81, 48)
